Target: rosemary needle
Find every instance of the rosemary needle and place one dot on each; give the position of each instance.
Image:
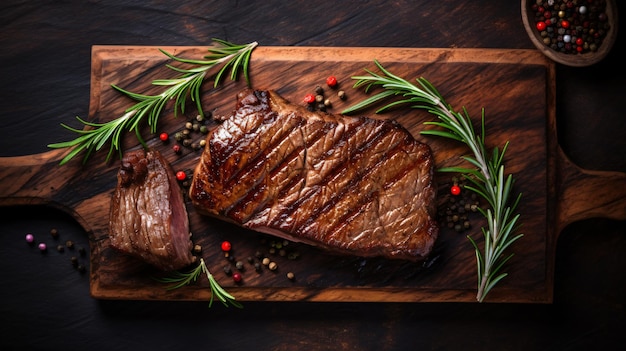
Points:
(487, 178)
(178, 279)
(188, 84)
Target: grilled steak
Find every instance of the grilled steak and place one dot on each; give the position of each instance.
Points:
(353, 185)
(148, 218)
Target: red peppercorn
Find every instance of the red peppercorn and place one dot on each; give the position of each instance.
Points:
(455, 190)
(579, 41)
(309, 98)
(226, 246)
(541, 26)
(331, 81)
(164, 137)
(176, 148)
(237, 277)
(565, 24)
(181, 175)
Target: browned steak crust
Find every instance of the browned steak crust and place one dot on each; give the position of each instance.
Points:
(148, 218)
(353, 185)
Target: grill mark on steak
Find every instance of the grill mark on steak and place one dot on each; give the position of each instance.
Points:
(353, 187)
(258, 168)
(337, 171)
(350, 184)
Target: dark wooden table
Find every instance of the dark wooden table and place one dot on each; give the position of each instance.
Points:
(45, 302)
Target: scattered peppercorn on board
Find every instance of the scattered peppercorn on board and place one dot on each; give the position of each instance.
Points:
(515, 88)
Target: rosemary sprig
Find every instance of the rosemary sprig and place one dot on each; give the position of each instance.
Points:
(188, 84)
(487, 178)
(178, 279)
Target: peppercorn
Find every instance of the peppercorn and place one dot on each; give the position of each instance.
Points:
(331, 81)
(82, 251)
(188, 125)
(319, 90)
(455, 190)
(199, 118)
(328, 103)
(291, 276)
(561, 23)
(309, 98)
(197, 249)
(81, 268)
(272, 266)
(228, 270)
(164, 137)
(181, 175)
(60, 248)
(74, 261)
(176, 149)
(54, 233)
(69, 244)
(239, 265)
(257, 266)
(226, 246)
(30, 239)
(266, 261)
(341, 94)
(237, 277)
(42, 247)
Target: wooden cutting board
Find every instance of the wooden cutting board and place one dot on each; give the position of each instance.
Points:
(516, 88)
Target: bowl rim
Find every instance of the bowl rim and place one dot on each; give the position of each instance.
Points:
(575, 60)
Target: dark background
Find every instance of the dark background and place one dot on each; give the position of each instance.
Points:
(44, 81)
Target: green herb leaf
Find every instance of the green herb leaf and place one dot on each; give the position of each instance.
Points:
(178, 279)
(487, 178)
(186, 86)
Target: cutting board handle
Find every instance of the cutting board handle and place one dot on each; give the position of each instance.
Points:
(583, 194)
(39, 179)
(32, 179)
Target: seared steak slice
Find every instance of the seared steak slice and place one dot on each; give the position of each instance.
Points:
(148, 217)
(353, 185)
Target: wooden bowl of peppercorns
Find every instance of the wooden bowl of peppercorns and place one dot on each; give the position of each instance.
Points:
(571, 32)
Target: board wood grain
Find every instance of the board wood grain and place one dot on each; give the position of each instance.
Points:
(514, 87)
